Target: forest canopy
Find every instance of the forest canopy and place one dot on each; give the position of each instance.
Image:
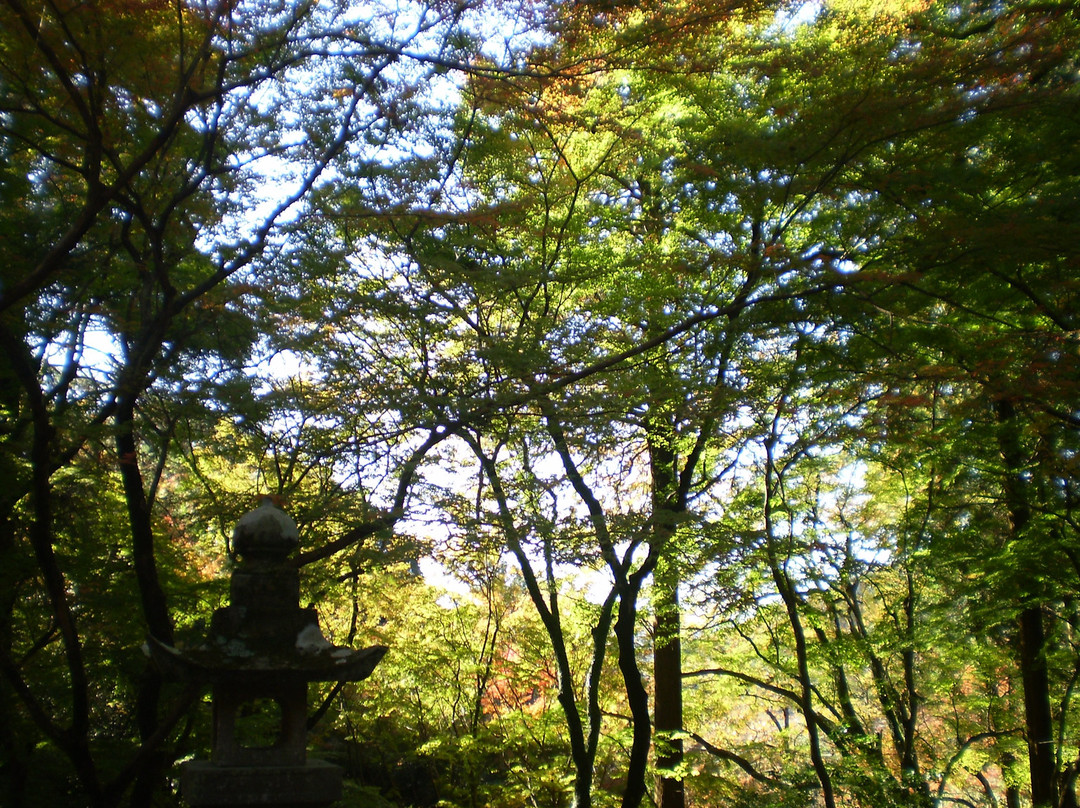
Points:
(685, 392)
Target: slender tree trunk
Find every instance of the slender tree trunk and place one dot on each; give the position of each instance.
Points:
(792, 605)
(1067, 794)
(637, 696)
(1012, 791)
(154, 603)
(806, 685)
(75, 739)
(583, 740)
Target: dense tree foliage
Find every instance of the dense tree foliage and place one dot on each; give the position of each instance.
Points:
(685, 392)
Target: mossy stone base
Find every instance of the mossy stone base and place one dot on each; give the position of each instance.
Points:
(313, 785)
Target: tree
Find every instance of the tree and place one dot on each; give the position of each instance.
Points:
(1000, 325)
(133, 272)
(636, 224)
(666, 288)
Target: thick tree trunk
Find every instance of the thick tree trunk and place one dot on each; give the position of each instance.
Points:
(11, 746)
(1038, 718)
(667, 699)
(668, 506)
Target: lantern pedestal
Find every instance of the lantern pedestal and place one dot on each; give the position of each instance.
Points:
(314, 784)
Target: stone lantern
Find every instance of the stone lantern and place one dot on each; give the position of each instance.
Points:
(262, 651)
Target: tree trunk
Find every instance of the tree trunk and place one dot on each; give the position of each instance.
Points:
(583, 744)
(792, 605)
(1038, 716)
(667, 684)
(11, 746)
(668, 506)
(1012, 791)
(637, 696)
(1038, 719)
(154, 603)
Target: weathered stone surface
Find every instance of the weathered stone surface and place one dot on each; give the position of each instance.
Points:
(312, 785)
(263, 635)
(237, 662)
(266, 533)
(288, 747)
